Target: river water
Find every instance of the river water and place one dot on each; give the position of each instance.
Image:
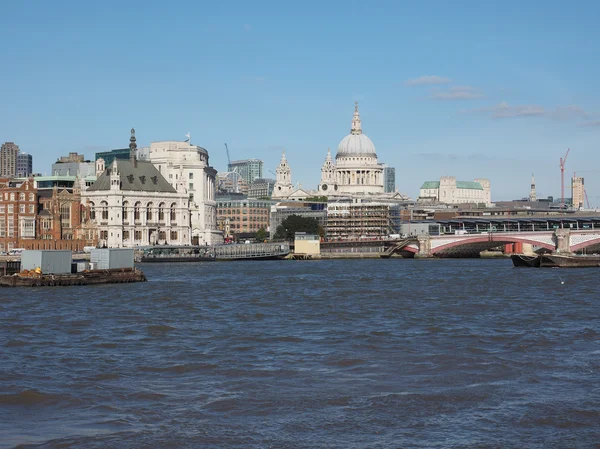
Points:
(306, 354)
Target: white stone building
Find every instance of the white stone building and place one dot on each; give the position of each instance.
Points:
(283, 184)
(356, 171)
(450, 191)
(133, 205)
(181, 162)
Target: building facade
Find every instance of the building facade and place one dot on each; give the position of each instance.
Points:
(8, 160)
(283, 186)
(389, 179)
(356, 170)
(24, 165)
(187, 165)
(450, 191)
(109, 156)
(247, 215)
(74, 165)
(18, 210)
(283, 210)
(248, 169)
(261, 188)
(361, 220)
(577, 192)
(132, 204)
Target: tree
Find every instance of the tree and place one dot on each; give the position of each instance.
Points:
(295, 223)
(261, 235)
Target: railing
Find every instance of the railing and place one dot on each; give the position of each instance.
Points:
(252, 250)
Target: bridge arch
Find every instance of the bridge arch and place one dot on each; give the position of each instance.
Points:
(497, 240)
(582, 245)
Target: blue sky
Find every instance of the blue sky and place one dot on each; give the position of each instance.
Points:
(469, 88)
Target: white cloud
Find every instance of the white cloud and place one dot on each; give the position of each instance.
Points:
(428, 80)
(504, 110)
(457, 93)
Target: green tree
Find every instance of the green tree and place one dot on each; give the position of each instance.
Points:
(296, 223)
(261, 235)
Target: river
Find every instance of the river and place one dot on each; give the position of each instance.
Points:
(306, 354)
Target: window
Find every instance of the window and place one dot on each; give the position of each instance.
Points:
(65, 215)
(31, 197)
(2, 227)
(21, 196)
(27, 227)
(138, 235)
(125, 235)
(161, 212)
(125, 206)
(21, 208)
(11, 208)
(2, 208)
(173, 235)
(149, 208)
(32, 208)
(12, 196)
(11, 227)
(173, 212)
(136, 211)
(191, 176)
(191, 186)
(104, 207)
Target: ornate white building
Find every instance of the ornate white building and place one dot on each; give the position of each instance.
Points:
(450, 191)
(186, 164)
(356, 170)
(283, 184)
(132, 204)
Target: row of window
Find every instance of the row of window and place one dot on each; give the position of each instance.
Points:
(243, 211)
(22, 196)
(22, 208)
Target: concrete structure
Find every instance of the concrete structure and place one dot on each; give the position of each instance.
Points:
(74, 165)
(186, 167)
(24, 165)
(389, 179)
(248, 169)
(133, 204)
(261, 188)
(8, 159)
(307, 244)
(50, 262)
(242, 215)
(577, 192)
(283, 184)
(450, 191)
(356, 170)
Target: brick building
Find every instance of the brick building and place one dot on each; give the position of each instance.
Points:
(242, 215)
(18, 209)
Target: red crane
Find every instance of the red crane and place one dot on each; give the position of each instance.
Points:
(563, 161)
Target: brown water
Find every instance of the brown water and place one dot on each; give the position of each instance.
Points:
(336, 354)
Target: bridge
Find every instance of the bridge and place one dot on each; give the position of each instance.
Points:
(470, 245)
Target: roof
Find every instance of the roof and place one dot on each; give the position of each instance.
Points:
(431, 185)
(468, 185)
(142, 177)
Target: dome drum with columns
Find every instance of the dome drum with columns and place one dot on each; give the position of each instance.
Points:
(356, 170)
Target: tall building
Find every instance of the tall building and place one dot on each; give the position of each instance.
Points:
(532, 194)
(249, 169)
(389, 179)
(578, 192)
(8, 159)
(283, 184)
(356, 170)
(24, 165)
(187, 164)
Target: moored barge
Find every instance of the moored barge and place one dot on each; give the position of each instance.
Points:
(556, 261)
(90, 277)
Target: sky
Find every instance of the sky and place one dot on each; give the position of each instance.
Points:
(471, 89)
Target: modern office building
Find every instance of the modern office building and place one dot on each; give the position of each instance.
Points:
(74, 165)
(109, 156)
(248, 169)
(242, 215)
(8, 159)
(389, 179)
(578, 192)
(24, 165)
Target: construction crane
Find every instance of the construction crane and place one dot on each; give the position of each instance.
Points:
(228, 158)
(586, 198)
(273, 173)
(563, 161)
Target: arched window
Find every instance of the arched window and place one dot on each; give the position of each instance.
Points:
(125, 213)
(21, 196)
(92, 207)
(149, 208)
(136, 211)
(31, 197)
(173, 212)
(161, 212)
(104, 207)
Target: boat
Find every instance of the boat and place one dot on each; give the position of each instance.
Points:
(35, 278)
(176, 254)
(556, 260)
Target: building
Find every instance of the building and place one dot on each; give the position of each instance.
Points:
(8, 160)
(532, 194)
(248, 169)
(133, 204)
(281, 211)
(109, 156)
(187, 164)
(307, 244)
(356, 170)
(18, 210)
(74, 165)
(283, 186)
(231, 182)
(242, 215)
(261, 188)
(361, 220)
(577, 192)
(389, 179)
(450, 191)
(24, 165)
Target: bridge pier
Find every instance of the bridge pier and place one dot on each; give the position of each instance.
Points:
(563, 240)
(424, 242)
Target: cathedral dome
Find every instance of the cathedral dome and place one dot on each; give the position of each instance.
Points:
(356, 143)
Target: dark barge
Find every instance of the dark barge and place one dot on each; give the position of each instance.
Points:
(556, 261)
(90, 277)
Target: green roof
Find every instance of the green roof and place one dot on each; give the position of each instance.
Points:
(431, 185)
(468, 185)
